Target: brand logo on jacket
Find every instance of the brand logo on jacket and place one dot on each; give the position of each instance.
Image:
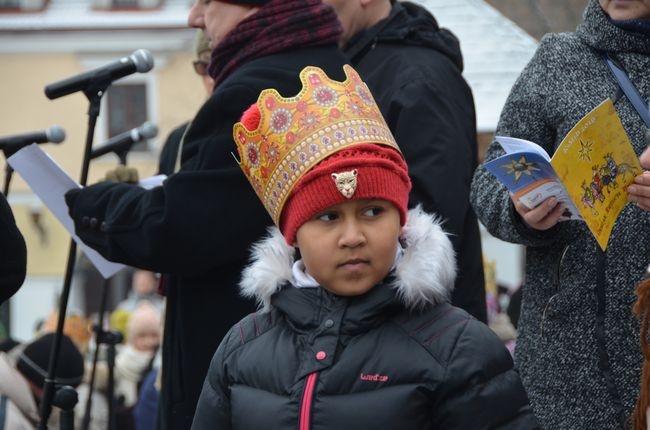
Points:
(374, 377)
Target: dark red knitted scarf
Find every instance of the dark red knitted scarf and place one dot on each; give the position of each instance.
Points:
(278, 26)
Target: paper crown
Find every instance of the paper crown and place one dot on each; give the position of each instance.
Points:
(295, 133)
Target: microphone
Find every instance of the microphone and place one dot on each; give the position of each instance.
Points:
(11, 144)
(139, 61)
(122, 143)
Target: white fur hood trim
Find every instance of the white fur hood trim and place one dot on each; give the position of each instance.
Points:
(425, 274)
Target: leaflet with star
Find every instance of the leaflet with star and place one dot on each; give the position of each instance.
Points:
(589, 172)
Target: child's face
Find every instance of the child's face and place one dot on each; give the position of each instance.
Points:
(349, 247)
(146, 340)
(144, 282)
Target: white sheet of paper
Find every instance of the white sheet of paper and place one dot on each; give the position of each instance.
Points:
(513, 144)
(152, 181)
(50, 183)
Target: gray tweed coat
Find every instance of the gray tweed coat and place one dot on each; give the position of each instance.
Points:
(577, 349)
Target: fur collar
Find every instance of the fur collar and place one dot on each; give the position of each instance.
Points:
(424, 276)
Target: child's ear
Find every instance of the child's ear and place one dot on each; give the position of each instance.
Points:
(402, 237)
(402, 232)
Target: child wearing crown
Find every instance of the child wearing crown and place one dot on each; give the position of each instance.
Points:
(355, 330)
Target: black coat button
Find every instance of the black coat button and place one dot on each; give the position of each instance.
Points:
(103, 227)
(94, 222)
(329, 323)
(85, 221)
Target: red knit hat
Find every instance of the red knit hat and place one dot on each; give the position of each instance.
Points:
(318, 149)
(378, 171)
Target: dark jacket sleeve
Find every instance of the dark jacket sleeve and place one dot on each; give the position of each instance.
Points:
(13, 253)
(213, 409)
(204, 214)
(482, 390)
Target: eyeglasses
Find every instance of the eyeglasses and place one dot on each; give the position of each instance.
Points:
(201, 67)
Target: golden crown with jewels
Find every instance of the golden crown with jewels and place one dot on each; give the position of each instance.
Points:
(295, 133)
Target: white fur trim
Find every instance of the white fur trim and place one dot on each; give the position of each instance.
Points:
(425, 274)
(427, 270)
(270, 268)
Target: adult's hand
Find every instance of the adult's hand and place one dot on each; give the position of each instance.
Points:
(639, 191)
(542, 217)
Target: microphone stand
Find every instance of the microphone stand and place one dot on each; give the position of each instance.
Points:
(8, 173)
(66, 398)
(94, 94)
(122, 156)
(109, 338)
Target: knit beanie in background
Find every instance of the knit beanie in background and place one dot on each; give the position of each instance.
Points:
(34, 361)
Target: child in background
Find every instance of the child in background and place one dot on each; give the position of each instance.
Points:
(355, 330)
(134, 359)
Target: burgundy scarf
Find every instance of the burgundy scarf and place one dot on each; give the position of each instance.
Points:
(278, 26)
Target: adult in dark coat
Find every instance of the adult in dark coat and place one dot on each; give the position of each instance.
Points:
(413, 69)
(13, 253)
(198, 226)
(169, 161)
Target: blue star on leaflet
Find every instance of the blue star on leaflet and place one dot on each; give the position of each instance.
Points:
(520, 167)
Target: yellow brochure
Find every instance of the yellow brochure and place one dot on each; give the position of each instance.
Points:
(596, 163)
(589, 172)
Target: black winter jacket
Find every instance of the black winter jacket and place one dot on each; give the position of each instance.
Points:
(13, 253)
(198, 226)
(397, 357)
(413, 69)
(169, 153)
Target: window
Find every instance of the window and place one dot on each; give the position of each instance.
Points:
(127, 109)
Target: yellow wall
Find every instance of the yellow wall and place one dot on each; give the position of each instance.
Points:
(47, 241)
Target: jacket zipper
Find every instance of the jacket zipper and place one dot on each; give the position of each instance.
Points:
(307, 396)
